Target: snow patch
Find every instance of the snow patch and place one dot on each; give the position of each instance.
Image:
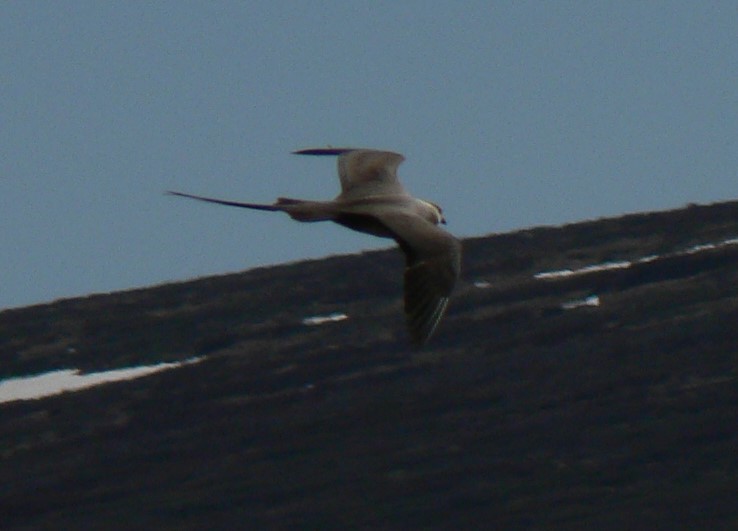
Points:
(57, 382)
(605, 266)
(592, 300)
(624, 264)
(322, 319)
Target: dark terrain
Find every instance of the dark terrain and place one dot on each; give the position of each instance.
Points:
(518, 414)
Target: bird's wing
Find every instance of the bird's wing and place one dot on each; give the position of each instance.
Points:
(433, 263)
(364, 172)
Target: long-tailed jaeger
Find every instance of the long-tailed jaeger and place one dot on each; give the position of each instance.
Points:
(373, 201)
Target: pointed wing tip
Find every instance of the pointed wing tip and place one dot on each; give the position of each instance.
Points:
(323, 151)
(423, 326)
(395, 158)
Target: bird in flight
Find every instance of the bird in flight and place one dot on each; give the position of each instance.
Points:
(373, 201)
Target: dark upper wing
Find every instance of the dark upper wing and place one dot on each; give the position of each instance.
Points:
(323, 151)
(433, 263)
(364, 172)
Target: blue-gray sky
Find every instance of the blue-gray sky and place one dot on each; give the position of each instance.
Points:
(510, 114)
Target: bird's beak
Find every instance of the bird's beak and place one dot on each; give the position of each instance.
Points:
(443, 220)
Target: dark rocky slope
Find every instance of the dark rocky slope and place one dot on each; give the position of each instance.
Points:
(518, 414)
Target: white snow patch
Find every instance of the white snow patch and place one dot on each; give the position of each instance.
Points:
(56, 382)
(702, 247)
(709, 246)
(592, 300)
(605, 266)
(647, 259)
(322, 319)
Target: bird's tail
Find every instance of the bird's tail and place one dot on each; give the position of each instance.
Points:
(297, 209)
(254, 206)
(301, 210)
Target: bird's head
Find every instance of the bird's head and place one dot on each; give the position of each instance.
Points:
(433, 213)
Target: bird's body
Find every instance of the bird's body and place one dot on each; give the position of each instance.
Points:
(373, 201)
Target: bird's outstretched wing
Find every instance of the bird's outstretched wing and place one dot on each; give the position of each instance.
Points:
(364, 172)
(433, 263)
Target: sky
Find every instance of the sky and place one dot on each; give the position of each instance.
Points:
(510, 115)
